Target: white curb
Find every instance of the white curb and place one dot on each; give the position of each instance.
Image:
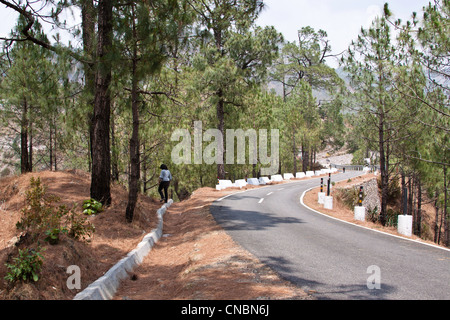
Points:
(106, 286)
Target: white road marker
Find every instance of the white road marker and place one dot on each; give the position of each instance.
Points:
(261, 200)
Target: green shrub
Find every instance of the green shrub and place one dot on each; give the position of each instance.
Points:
(39, 213)
(349, 197)
(53, 235)
(41, 216)
(391, 218)
(91, 207)
(373, 215)
(26, 267)
(79, 228)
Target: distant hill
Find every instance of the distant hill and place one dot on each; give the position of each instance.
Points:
(320, 95)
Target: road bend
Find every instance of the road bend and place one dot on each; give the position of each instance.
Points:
(327, 257)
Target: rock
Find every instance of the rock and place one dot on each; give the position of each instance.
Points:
(371, 194)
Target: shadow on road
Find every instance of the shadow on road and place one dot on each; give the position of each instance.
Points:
(323, 291)
(233, 219)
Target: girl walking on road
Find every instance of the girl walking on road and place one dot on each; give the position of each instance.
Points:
(164, 182)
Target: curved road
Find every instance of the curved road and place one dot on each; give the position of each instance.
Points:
(329, 258)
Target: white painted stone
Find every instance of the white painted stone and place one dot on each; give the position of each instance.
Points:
(240, 183)
(360, 213)
(328, 202)
(404, 225)
(264, 180)
(288, 176)
(253, 181)
(300, 175)
(277, 178)
(321, 197)
(309, 173)
(225, 184)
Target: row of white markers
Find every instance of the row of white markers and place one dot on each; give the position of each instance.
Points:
(223, 184)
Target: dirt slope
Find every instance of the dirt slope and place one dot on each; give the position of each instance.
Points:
(113, 238)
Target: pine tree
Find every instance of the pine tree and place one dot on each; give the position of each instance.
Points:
(372, 66)
(146, 31)
(230, 54)
(26, 88)
(426, 44)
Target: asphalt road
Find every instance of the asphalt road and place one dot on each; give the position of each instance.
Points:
(329, 258)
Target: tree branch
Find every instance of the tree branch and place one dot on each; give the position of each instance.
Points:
(28, 37)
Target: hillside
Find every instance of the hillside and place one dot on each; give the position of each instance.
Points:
(113, 237)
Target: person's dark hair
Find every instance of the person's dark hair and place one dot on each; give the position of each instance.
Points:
(163, 167)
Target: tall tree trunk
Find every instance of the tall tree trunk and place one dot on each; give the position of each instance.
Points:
(419, 208)
(294, 150)
(436, 219)
(51, 148)
(101, 157)
(144, 168)
(88, 36)
(221, 127)
(411, 195)
(134, 141)
(403, 187)
(220, 109)
(383, 171)
(305, 158)
(114, 151)
(24, 166)
(55, 149)
(440, 227)
(446, 215)
(30, 147)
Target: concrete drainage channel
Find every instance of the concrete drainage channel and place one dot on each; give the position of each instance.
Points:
(106, 286)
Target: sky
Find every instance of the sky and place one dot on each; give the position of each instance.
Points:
(341, 19)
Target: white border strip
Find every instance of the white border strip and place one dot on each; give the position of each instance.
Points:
(268, 186)
(105, 287)
(357, 225)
